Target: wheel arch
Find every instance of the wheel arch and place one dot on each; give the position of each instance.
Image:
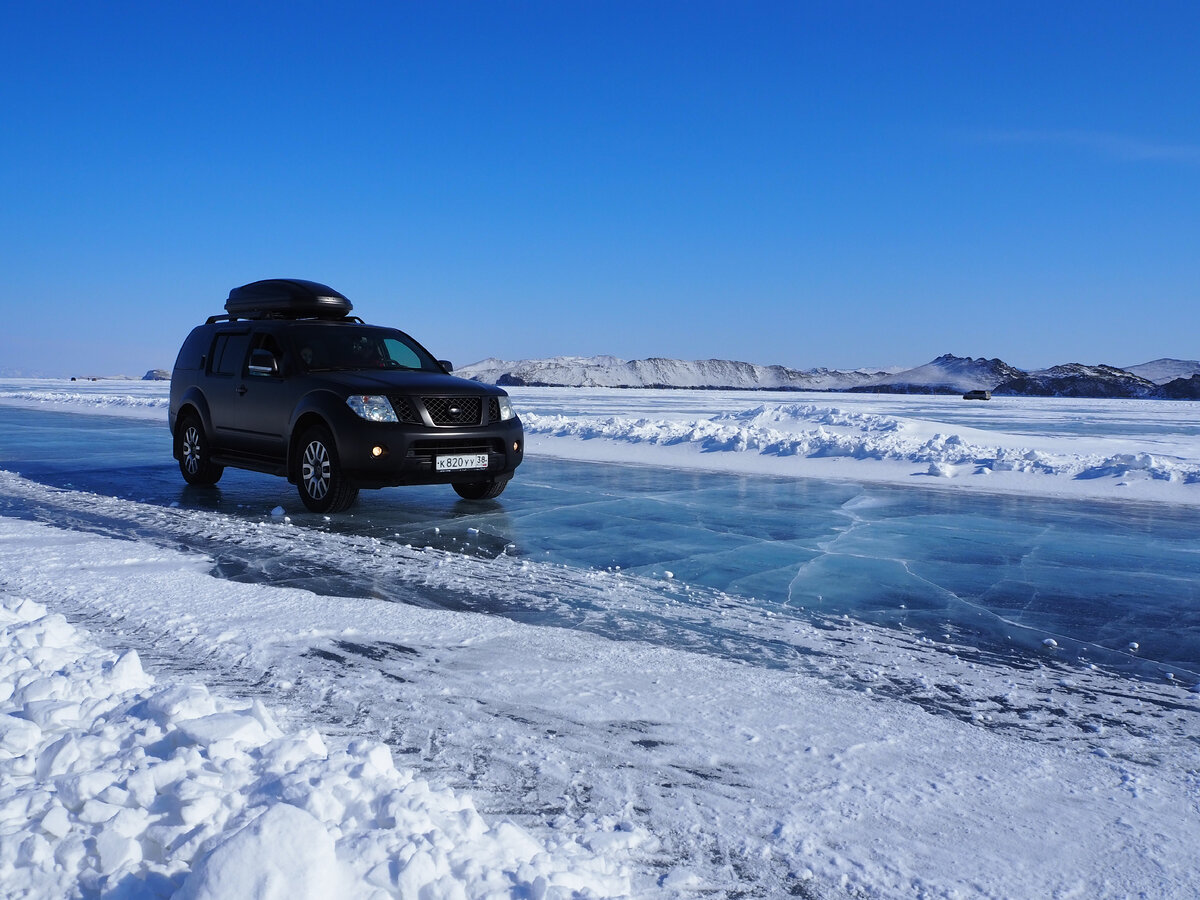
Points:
(192, 404)
(303, 423)
(319, 407)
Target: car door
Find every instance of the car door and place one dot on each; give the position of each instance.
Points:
(223, 374)
(263, 402)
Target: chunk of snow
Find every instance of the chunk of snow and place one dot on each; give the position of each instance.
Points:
(184, 701)
(126, 673)
(18, 736)
(56, 822)
(284, 853)
(240, 728)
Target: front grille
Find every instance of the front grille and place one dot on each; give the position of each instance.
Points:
(404, 409)
(452, 411)
(494, 409)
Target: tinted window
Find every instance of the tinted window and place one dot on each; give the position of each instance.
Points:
(402, 353)
(324, 347)
(191, 354)
(229, 352)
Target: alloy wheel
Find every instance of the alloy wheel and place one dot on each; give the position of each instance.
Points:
(191, 449)
(315, 469)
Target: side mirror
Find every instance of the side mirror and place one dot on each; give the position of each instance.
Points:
(263, 362)
(447, 365)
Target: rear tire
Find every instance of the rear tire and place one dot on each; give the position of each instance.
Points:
(322, 486)
(482, 490)
(195, 458)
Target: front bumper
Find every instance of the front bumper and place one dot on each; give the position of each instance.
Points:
(386, 454)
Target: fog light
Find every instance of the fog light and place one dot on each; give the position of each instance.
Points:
(377, 452)
(516, 447)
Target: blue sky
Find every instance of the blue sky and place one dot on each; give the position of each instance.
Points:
(813, 184)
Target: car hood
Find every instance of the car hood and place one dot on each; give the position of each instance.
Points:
(406, 382)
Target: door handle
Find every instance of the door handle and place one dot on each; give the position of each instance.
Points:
(241, 390)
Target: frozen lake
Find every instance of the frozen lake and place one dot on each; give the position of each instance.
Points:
(1005, 573)
(745, 645)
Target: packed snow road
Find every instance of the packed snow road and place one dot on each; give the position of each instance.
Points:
(743, 738)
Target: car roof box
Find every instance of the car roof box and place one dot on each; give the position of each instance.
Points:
(287, 298)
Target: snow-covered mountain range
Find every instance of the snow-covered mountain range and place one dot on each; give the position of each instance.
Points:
(609, 371)
(1161, 371)
(948, 374)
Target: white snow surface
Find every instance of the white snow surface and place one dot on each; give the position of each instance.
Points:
(114, 784)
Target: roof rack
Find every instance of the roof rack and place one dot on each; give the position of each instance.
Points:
(285, 298)
(228, 317)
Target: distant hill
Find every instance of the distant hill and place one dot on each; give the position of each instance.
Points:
(1160, 371)
(609, 371)
(1076, 380)
(948, 374)
(1181, 389)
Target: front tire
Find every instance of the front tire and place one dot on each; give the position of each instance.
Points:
(322, 486)
(195, 458)
(481, 490)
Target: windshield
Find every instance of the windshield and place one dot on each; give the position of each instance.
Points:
(330, 348)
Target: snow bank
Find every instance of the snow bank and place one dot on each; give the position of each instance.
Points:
(112, 784)
(140, 399)
(808, 439)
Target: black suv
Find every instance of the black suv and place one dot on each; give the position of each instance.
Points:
(287, 382)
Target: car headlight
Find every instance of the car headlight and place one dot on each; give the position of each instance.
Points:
(372, 408)
(506, 409)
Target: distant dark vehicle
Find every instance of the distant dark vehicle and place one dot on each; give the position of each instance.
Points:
(289, 383)
(977, 395)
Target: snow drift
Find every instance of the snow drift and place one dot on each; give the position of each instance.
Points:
(114, 785)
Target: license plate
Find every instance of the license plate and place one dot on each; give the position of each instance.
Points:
(462, 461)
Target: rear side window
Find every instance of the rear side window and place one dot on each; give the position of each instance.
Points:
(229, 352)
(191, 354)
